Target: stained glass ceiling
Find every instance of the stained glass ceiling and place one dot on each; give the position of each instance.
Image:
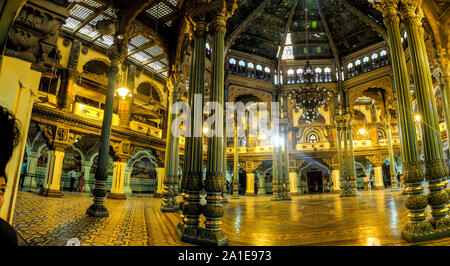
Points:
(142, 50)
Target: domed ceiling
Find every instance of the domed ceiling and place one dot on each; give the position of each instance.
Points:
(261, 27)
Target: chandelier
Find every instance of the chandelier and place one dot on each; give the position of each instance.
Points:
(309, 96)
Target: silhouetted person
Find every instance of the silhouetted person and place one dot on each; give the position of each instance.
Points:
(23, 172)
(72, 175)
(9, 138)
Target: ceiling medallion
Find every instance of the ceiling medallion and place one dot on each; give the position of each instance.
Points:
(309, 96)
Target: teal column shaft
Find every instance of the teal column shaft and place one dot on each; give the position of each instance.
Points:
(445, 89)
(192, 176)
(425, 97)
(235, 166)
(340, 161)
(354, 186)
(436, 171)
(170, 170)
(346, 158)
(391, 155)
(101, 173)
(413, 174)
(287, 189)
(214, 184)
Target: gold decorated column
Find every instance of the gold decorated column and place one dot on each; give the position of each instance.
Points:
(187, 230)
(170, 160)
(436, 171)
(213, 211)
(235, 166)
(394, 187)
(418, 228)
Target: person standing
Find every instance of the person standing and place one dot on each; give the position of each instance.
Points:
(23, 172)
(366, 183)
(72, 174)
(81, 183)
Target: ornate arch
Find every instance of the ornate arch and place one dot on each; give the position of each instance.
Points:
(101, 59)
(318, 164)
(158, 90)
(142, 154)
(307, 131)
(358, 91)
(236, 91)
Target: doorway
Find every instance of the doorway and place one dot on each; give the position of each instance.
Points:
(315, 181)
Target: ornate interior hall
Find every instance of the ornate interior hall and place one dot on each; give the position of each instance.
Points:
(227, 123)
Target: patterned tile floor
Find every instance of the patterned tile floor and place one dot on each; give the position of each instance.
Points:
(373, 218)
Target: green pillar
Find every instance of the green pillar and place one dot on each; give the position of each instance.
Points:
(347, 160)
(187, 230)
(225, 140)
(417, 201)
(436, 171)
(235, 166)
(286, 183)
(353, 185)
(275, 151)
(101, 174)
(170, 168)
(213, 211)
(445, 89)
(340, 161)
(394, 187)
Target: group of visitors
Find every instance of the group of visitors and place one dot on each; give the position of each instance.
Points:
(73, 177)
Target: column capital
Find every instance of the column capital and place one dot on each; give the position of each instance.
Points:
(377, 159)
(200, 29)
(58, 138)
(116, 54)
(409, 12)
(251, 166)
(34, 155)
(123, 151)
(389, 10)
(86, 163)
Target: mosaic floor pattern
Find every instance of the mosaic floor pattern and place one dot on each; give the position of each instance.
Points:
(373, 218)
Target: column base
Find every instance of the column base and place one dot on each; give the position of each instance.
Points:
(45, 192)
(250, 194)
(201, 236)
(187, 234)
(295, 193)
(379, 187)
(97, 211)
(224, 200)
(212, 237)
(409, 235)
(117, 196)
(276, 199)
(234, 197)
(336, 191)
(395, 190)
(171, 208)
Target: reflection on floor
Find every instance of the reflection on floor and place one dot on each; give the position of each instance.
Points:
(373, 218)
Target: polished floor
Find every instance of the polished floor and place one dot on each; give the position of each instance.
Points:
(373, 218)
